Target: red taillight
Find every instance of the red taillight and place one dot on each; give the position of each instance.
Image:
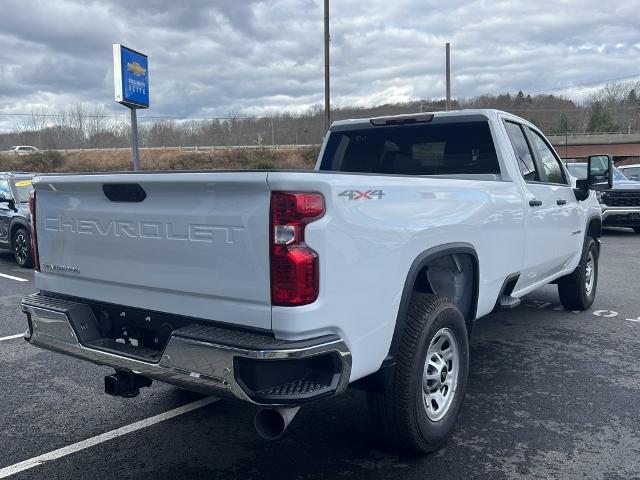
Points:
(34, 238)
(294, 266)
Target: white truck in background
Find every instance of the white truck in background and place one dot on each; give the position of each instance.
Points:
(279, 288)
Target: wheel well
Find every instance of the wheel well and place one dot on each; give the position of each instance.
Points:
(594, 229)
(451, 270)
(453, 276)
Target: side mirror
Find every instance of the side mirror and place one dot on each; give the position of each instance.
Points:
(600, 172)
(9, 201)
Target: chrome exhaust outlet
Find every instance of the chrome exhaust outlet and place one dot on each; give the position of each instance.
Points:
(270, 423)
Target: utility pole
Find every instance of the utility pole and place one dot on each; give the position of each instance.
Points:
(134, 140)
(327, 101)
(273, 137)
(448, 68)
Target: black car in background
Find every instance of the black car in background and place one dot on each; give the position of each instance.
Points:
(15, 227)
(621, 204)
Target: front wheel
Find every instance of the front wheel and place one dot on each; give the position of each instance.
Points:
(21, 242)
(578, 290)
(419, 409)
(636, 229)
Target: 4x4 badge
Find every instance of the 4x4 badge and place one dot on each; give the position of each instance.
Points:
(358, 195)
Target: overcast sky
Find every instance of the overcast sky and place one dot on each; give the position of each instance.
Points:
(214, 57)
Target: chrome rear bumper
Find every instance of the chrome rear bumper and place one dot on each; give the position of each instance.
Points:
(202, 358)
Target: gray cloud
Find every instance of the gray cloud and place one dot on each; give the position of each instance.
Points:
(257, 57)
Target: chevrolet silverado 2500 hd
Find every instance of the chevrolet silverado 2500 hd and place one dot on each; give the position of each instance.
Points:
(279, 288)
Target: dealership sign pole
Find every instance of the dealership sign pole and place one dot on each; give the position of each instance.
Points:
(131, 82)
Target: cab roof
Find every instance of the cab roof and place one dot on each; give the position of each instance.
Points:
(423, 117)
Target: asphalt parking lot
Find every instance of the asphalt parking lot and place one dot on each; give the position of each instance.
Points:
(552, 394)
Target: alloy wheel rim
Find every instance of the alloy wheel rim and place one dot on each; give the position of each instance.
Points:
(440, 374)
(589, 276)
(21, 248)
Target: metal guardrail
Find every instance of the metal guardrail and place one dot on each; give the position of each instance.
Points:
(197, 148)
(595, 138)
(586, 134)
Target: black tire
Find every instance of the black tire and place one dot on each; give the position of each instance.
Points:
(400, 412)
(21, 246)
(573, 290)
(636, 229)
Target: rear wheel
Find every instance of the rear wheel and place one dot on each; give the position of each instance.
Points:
(21, 243)
(636, 229)
(419, 409)
(578, 290)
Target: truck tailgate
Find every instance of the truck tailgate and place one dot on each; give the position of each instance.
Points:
(197, 244)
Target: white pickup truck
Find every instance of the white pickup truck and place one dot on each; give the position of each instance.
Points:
(279, 288)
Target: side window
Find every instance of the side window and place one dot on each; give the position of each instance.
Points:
(552, 168)
(633, 173)
(5, 189)
(522, 151)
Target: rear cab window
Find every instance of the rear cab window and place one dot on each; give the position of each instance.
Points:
(433, 148)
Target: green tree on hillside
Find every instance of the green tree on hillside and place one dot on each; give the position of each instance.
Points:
(563, 125)
(600, 119)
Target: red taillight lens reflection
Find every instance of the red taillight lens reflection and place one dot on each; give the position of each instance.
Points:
(34, 237)
(294, 275)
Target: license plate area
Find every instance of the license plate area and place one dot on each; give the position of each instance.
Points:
(136, 328)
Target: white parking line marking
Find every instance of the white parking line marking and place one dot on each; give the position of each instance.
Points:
(104, 437)
(11, 337)
(11, 277)
(633, 319)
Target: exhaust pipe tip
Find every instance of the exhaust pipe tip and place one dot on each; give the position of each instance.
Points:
(271, 423)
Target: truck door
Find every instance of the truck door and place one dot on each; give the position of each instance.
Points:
(5, 213)
(567, 216)
(550, 207)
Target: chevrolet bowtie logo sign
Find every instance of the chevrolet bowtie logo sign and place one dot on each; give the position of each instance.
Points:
(136, 69)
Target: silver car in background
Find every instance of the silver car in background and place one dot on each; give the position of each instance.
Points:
(24, 150)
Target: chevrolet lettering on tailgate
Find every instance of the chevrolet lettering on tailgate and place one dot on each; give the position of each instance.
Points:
(192, 232)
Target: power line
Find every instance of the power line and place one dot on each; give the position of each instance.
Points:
(150, 117)
(585, 84)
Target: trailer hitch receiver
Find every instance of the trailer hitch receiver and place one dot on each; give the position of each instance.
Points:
(125, 384)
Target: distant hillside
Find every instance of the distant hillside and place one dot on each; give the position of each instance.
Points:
(106, 160)
(615, 108)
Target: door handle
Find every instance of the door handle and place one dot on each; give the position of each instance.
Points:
(561, 202)
(535, 203)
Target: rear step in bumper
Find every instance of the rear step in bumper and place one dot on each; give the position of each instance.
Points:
(211, 360)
